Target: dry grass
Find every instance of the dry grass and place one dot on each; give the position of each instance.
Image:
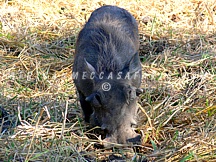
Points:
(177, 111)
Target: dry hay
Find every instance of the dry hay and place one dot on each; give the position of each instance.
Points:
(177, 111)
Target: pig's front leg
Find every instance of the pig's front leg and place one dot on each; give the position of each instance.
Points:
(86, 107)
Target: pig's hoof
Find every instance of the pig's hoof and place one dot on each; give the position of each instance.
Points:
(135, 140)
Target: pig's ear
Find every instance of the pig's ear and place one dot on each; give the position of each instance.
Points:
(91, 72)
(134, 64)
(89, 68)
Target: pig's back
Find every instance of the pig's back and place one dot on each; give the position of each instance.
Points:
(115, 16)
(108, 40)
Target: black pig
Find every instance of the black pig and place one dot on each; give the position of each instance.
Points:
(107, 72)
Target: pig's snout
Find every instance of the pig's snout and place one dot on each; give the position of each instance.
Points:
(127, 136)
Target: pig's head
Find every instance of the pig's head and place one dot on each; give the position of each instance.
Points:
(114, 110)
(114, 107)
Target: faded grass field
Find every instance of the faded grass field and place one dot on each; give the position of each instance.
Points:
(177, 109)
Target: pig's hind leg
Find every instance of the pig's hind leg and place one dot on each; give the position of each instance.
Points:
(86, 107)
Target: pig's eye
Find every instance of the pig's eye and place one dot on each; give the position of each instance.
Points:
(131, 94)
(94, 99)
(97, 101)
